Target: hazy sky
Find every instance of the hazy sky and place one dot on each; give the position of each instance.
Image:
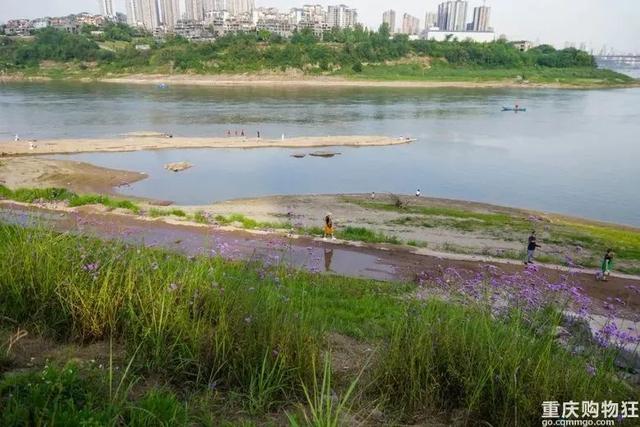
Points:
(615, 23)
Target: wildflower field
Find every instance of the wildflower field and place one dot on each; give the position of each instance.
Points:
(205, 341)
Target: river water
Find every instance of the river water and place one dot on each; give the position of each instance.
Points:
(573, 151)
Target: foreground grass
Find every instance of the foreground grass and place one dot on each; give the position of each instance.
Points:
(210, 331)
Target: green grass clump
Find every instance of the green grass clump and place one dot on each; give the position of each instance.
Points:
(96, 199)
(249, 223)
(157, 213)
(201, 218)
(33, 195)
(363, 234)
(71, 395)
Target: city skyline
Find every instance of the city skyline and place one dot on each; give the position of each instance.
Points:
(543, 21)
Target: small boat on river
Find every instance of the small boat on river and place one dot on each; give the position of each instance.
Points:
(515, 110)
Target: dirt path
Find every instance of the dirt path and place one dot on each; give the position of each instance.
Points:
(381, 262)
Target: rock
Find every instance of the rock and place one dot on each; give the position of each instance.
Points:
(324, 154)
(178, 166)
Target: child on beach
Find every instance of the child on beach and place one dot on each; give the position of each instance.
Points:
(607, 265)
(328, 228)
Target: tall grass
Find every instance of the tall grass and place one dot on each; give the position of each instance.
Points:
(246, 330)
(196, 321)
(497, 372)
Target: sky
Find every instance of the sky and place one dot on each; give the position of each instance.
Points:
(614, 23)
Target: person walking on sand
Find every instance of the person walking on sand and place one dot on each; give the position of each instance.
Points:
(607, 265)
(531, 248)
(328, 227)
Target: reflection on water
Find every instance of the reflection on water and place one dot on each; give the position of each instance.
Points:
(573, 151)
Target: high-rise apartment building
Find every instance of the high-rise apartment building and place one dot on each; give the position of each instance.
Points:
(106, 8)
(430, 20)
(481, 17)
(389, 18)
(194, 10)
(341, 16)
(149, 14)
(452, 15)
(133, 12)
(239, 7)
(169, 13)
(410, 24)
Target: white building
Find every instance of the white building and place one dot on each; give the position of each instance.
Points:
(194, 10)
(410, 24)
(149, 16)
(430, 20)
(476, 36)
(452, 15)
(240, 7)
(389, 18)
(133, 12)
(341, 16)
(106, 8)
(481, 16)
(169, 13)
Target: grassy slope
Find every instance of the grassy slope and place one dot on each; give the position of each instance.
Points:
(400, 72)
(208, 340)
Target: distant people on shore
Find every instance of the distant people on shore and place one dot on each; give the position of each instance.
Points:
(418, 192)
(242, 132)
(17, 138)
(531, 248)
(258, 134)
(373, 195)
(607, 265)
(328, 227)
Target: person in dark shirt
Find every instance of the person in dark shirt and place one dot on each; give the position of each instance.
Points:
(531, 248)
(607, 265)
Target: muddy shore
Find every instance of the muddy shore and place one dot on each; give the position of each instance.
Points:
(35, 172)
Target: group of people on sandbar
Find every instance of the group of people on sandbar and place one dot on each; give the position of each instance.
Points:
(241, 134)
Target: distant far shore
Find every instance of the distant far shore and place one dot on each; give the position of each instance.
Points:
(284, 80)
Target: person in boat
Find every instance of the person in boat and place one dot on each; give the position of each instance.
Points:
(607, 265)
(531, 248)
(328, 227)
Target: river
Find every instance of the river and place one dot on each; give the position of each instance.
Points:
(573, 151)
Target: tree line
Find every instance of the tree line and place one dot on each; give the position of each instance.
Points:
(114, 48)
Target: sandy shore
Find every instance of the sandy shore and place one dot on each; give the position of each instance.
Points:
(272, 79)
(154, 142)
(32, 172)
(301, 81)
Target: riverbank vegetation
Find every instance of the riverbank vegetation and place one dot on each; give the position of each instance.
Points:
(352, 53)
(98, 333)
(566, 241)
